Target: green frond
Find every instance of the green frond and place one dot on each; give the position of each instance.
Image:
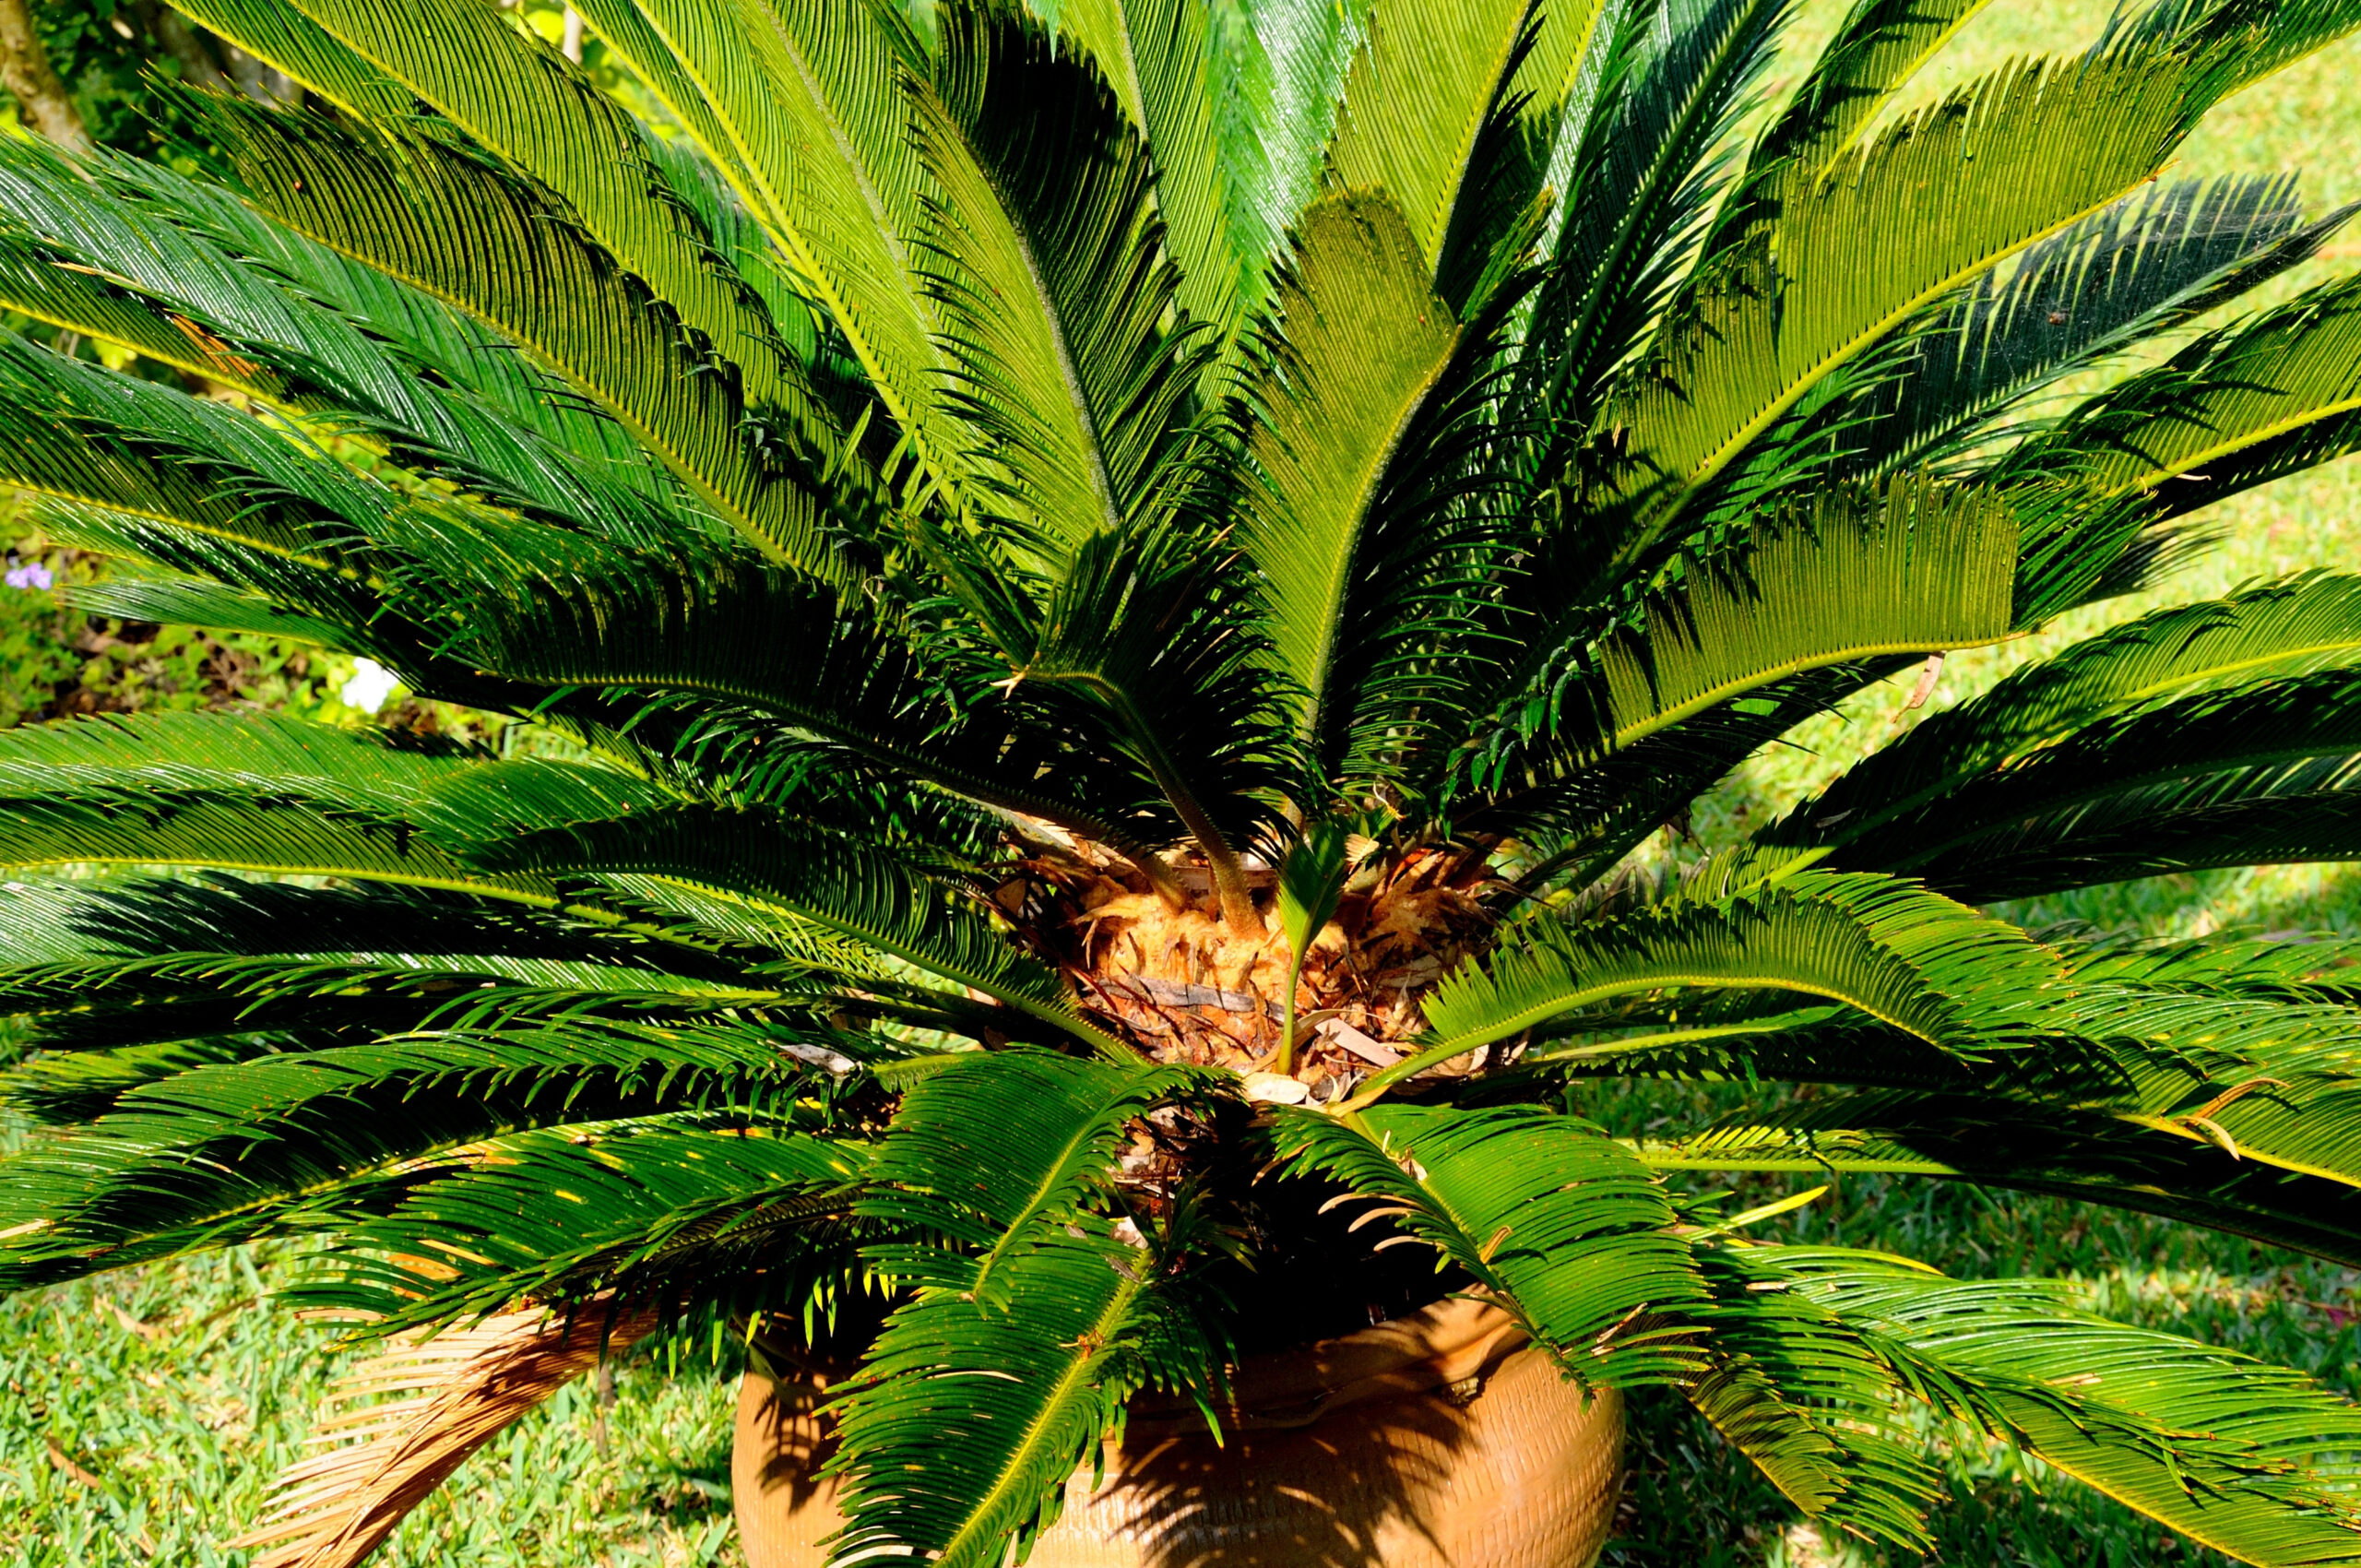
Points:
(1905, 957)
(191, 601)
(1864, 576)
(997, 1151)
(1788, 1394)
(1641, 174)
(812, 98)
(317, 335)
(987, 1391)
(293, 1141)
(1879, 46)
(2113, 1090)
(2012, 1142)
(1754, 342)
(241, 793)
(772, 867)
(435, 932)
(752, 1217)
(56, 1088)
(2230, 1452)
(2234, 409)
(1415, 107)
(2237, 46)
(962, 1427)
(704, 625)
(321, 987)
(399, 201)
(1553, 1220)
(2271, 631)
(517, 97)
(634, 43)
(2265, 759)
(1142, 642)
(2145, 265)
(1574, 813)
(33, 286)
(292, 43)
(1043, 255)
(2192, 1063)
(1164, 61)
(2309, 970)
(1283, 67)
(1366, 526)
(170, 469)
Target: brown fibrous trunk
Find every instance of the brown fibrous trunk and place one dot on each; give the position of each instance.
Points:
(1187, 986)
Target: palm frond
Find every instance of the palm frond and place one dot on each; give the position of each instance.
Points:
(1905, 957)
(1752, 344)
(292, 43)
(812, 99)
(335, 781)
(1878, 47)
(1162, 59)
(518, 98)
(1043, 255)
(2238, 45)
(2145, 265)
(1372, 524)
(1574, 814)
(655, 1220)
(961, 1429)
(2066, 812)
(2220, 1447)
(1554, 1221)
(705, 625)
(1416, 106)
(1283, 64)
(1862, 578)
(2270, 631)
(1641, 178)
(996, 1151)
(288, 1142)
(2236, 408)
(1141, 642)
(771, 866)
(1013, 1360)
(1777, 1391)
(453, 1392)
(328, 340)
(2013, 1142)
(398, 200)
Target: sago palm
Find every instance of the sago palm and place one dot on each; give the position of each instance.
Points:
(1094, 613)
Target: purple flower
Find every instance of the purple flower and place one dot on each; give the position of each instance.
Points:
(32, 575)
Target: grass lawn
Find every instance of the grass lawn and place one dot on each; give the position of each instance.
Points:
(141, 1414)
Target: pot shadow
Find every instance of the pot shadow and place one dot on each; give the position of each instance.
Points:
(780, 1422)
(1333, 1494)
(1343, 1493)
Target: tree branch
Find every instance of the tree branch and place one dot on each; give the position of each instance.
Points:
(43, 101)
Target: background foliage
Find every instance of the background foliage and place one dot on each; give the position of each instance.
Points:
(140, 1414)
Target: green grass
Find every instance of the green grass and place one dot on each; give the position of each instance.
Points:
(174, 1400)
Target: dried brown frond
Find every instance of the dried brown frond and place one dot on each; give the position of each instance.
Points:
(450, 1395)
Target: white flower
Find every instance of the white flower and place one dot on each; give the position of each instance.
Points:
(371, 685)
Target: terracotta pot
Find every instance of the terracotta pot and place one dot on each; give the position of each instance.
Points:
(1443, 1440)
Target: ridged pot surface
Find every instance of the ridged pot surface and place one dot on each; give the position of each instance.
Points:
(1443, 1440)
